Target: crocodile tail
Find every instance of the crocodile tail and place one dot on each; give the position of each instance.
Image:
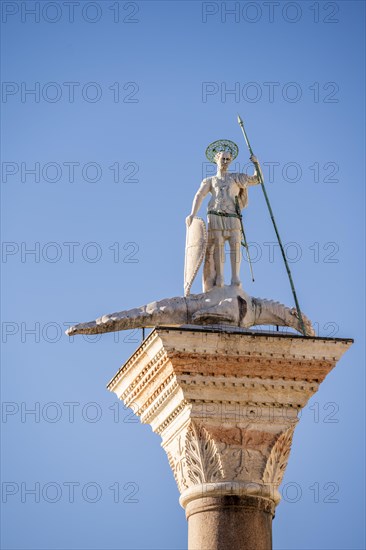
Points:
(269, 312)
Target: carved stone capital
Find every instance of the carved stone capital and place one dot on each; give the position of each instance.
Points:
(225, 404)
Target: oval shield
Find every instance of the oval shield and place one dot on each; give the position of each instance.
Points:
(196, 243)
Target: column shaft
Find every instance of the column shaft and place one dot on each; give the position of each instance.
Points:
(230, 522)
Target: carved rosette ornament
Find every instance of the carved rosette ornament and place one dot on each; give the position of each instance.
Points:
(225, 404)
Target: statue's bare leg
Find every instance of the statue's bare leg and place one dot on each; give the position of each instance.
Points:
(219, 258)
(209, 272)
(235, 257)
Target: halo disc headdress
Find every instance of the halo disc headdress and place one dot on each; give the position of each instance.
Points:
(221, 145)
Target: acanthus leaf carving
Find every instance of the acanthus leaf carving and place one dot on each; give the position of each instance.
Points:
(278, 458)
(202, 458)
(176, 463)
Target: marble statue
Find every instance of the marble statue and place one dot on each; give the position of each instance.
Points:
(218, 304)
(229, 194)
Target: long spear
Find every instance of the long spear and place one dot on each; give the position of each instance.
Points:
(260, 176)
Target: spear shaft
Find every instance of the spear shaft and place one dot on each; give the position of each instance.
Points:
(261, 180)
(244, 242)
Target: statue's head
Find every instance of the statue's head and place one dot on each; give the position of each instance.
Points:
(223, 159)
(222, 152)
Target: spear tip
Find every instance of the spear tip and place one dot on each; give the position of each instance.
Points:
(240, 120)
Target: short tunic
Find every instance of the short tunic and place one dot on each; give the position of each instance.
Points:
(224, 190)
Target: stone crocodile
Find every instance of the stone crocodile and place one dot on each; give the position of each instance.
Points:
(220, 306)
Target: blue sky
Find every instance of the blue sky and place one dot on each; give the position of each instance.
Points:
(127, 95)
